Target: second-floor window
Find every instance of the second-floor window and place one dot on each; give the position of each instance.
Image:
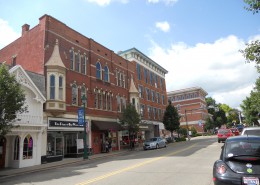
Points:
(141, 91)
(60, 87)
(52, 87)
(148, 94)
(74, 94)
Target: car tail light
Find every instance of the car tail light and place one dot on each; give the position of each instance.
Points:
(221, 169)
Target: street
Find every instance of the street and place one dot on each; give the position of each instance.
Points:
(179, 164)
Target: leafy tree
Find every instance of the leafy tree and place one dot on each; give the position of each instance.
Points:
(209, 124)
(252, 53)
(130, 119)
(12, 99)
(219, 117)
(171, 119)
(251, 105)
(253, 5)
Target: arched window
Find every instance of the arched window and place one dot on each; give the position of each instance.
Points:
(52, 87)
(60, 87)
(72, 60)
(106, 74)
(84, 65)
(109, 101)
(17, 148)
(96, 99)
(77, 56)
(118, 104)
(105, 101)
(28, 147)
(74, 94)
(100, 97)
(83, 93)
(98, 71)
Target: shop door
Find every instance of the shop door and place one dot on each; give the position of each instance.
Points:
(2, 152)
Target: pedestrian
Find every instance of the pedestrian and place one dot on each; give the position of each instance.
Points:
(107, 146)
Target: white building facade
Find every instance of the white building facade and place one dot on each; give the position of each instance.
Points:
(26, 143)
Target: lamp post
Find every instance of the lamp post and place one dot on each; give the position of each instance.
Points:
(209, 107)
(188, 135)
(85, 156)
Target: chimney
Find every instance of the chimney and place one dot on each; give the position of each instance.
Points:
(25, 28)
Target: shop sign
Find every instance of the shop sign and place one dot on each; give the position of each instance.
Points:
(56, 123)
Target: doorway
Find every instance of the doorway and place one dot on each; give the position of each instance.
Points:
(2, 151)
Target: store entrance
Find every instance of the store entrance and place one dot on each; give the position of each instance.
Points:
(70, 148)
(2, 151)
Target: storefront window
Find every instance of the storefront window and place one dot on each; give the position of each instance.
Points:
(16, 148)
(27, 147)
(54, 144)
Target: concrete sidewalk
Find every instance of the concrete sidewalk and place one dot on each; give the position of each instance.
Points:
(9, 172)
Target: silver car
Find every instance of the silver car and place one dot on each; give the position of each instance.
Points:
(154, 143)
(251, 131)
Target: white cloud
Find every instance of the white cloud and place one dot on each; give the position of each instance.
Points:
(106, 2)
(7, 34)
(163, 26)
(167, 2)
(219, 68)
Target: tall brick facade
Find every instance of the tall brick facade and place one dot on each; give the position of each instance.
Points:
(192, 101)
(75, 65)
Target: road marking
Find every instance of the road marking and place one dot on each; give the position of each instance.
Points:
(132, 167)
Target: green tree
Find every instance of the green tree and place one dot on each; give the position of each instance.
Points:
(171, 119)
(251, 105)
(253, 5)
(218, 116)
(131, 120)
(12, 100)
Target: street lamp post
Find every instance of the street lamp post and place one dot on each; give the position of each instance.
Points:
(85, 156)
(209, 107)
(188, 135)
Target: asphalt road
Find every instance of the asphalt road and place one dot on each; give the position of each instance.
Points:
(184, 163)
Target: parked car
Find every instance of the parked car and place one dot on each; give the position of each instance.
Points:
(251, 131)
(240, 127)
(239, 162)
(154, 143)
(223, 134)
(235, 131)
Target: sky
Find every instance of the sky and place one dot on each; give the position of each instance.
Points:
(196, 41)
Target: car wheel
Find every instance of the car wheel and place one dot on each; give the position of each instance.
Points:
(157, 146)
(165, 146)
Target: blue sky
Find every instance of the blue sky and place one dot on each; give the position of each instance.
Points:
(197, 41)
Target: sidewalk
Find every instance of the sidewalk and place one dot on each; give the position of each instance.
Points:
(9, 172)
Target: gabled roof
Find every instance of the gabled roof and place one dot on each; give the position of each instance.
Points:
(23, 78)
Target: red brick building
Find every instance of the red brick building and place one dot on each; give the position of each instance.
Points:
(74, 67)
(191, 105)
(150, 81)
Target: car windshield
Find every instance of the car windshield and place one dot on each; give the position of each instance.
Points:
(153, 139)
(223, 131)
(242, 148)
(252, 132)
